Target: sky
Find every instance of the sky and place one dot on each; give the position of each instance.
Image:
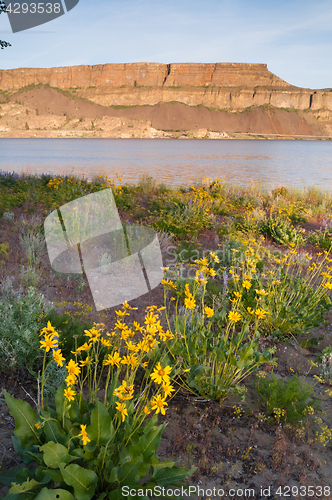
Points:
(293, 37)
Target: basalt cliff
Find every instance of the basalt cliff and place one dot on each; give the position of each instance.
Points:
(160, 100)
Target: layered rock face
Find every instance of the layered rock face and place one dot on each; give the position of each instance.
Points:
(143, 75)
(226, 86)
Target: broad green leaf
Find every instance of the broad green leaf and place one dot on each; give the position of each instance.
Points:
(84, 481)
(7, 477)
(149, 442)
(46, 494)
(74, 413)
(101, 429)
(60, 401)
(166, 477)
(54, 474)
(127, 474)
(115, 495)
(161, 465)
(131, 453)
(25, 453)
(54, 454)
(25, 420)
(29, 495)
(28, 485)
(54, 432)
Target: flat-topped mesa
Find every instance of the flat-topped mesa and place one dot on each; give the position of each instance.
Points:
(144, 75)
(222, 75)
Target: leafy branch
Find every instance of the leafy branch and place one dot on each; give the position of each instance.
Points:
(3, 44)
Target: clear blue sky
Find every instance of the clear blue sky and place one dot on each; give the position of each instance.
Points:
(294, 37)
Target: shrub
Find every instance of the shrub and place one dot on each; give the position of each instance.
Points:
(282, 232)
(288, 401)
(21, 317)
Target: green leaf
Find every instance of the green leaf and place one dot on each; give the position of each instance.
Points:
(54, 474)
(101, 429)
(46, 494)
(28, 485)
(26, 454)
(84, 481)
(54, 432)
(29, 495)
(149, 442)
(54, 454)
(127, 474)
(166, 477)
(115, 495)
(7, 477)
(161, 465)
(25, 420)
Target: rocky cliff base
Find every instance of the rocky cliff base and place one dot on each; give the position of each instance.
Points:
(42, 111)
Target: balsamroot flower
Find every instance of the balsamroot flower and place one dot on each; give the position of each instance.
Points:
(234, 316)
(208, 312)
(57, 356)
(69, 393)
(84, 435)
(190, 303)
(121, 407)
(73, 368)
(158, 403)
(48, 342)
(161, 375)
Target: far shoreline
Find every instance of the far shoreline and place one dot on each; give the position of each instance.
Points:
(161, 134)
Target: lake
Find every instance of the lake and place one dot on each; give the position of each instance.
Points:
(174, 161)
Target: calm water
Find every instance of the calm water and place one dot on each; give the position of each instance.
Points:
(296, 163)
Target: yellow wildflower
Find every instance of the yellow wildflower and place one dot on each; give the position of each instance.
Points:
(124, 391)
(86, 362)
(234, 316)
(246, 284)
(49, 330)
(160, 374)
(166, 335)
(121, 407)
(168, 389)
(93, 333)
(70, 379)
(158, 403)
(130, 360)
(214, 257)
(260, 313)
(84, 435)
(190, 303)
(122, 313)
(208, 312)
(73, 368)
(48, 343)
(57, 356)
(69, 393)
(115, 359)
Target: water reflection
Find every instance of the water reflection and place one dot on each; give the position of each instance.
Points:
(297, 163)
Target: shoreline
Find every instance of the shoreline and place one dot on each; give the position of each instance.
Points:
(160, 134)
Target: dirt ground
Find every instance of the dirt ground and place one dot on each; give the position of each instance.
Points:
(231, 452)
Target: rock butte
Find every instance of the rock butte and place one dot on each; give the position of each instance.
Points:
(231, 86)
